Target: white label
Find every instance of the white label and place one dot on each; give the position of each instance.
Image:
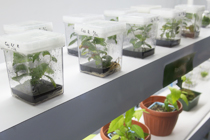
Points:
(11, 46)
(89, 32)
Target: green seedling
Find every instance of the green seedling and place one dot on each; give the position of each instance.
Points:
(204, 74)
(72, 36)
(192, 19)
(124, 128)
(140, 39)
(170, 29)
(205, 21)
(36, 73)
(114, 37)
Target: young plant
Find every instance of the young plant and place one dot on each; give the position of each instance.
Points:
(37, 72)
(73, 35)
(205, 21)
(88, 46)
(124, 128)
(141, 33)
(193, 20)
(170, 29)
(114, 37)
(173, 97)
(204, 74)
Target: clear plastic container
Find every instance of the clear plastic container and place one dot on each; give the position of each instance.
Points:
(27, 25)
(145, 8)
(170, 26)
(206, 16)
(100, 47)
(71, 36)
(140, 34)
(112, 15)
(192, 20)
(34, 62)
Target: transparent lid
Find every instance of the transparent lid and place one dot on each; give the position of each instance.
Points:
(28, 25)
(100, 28)
(80, 18)
(139, 18)
(168, 13)
(118, 12)
(32, 41)
(190, 8)
(145, 8)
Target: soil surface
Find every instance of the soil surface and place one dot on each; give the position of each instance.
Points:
(167, 42)
(73, 51)
(130, 51)
(190, 34)
(111, 135)
(160, 108)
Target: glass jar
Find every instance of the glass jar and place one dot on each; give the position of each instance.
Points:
(28, 25)
(192, 20)
(71, 36)
(170, 26)
(34, 64)
(100, 47)
(206, 16)
(141, 30)
(112, 15)
(145, 8)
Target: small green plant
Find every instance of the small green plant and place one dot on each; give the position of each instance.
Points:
(173, 97)
(35, 72)
(124, 128)
(114, 37)
(205, 21)
(114, 19)
(204, 74)
(73, 35)
(192, 19)
(88, 46)
(171, 28)
(140, 39)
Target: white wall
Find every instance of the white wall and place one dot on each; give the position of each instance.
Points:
(13, 11)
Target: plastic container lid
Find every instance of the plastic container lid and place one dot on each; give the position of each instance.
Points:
(118, 12)
(138, 18)
(145, 8)
(100, 28)
(168, 13)
(190, 8)
(28, 25)
(32, 41)
(80, 18)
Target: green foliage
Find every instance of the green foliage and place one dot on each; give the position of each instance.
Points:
(140, 39)
(205, 21)
(88, 46)
(124, 128)
(116, 19)
(37, 72)
(192, 19)
(204, 74)
(171, 28)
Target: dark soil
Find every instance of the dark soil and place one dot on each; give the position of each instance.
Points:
(190, 34)
(160, 108)
(130, 51)
(43, 91)
(167, 42)
(73, 51)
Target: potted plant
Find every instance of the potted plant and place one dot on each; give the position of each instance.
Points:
(192, 96)
(124, 128)
(162, 120)
(34, 68)
(170, 26)
(140, 36)
(100, 51)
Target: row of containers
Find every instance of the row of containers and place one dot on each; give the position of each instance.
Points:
(34, 58)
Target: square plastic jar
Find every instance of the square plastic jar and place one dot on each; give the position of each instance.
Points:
(141, 30)
(71, 36)
(192, 20)
(28, 25)
(112, 15)
(170, 26)
(145, 8)
(34, 61)
(100, 47)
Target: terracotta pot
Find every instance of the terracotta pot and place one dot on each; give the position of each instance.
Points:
(159, 123)
(105, 128)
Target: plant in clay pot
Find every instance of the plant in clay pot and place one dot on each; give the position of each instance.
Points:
(124, 128)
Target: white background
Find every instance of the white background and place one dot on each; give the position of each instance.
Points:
(13, 11)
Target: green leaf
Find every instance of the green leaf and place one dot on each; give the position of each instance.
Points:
(130, 30)
(52, 81)
(183, 78)
(148, 45)
(114, 37)
(175, 94)
(139, 36)
(38, 71)
(46, 53)
(73, 34)
(49, 70)
(123, 138)
(189, 15)
(119, 132)
(107, 58)
(112, 20)
(133, 41)
(72, 42)
(129, 116)
(20, 58)
(54, 59)
(21, 67)
(70, 24)
(100, 41)
(116, 124)
(167, 35)
(89, 45)
(18, 78)
(138, 130)
(115, 137)
(36, 56)
(90, 137)
(138, 44)
(184, 98)
(138, 113)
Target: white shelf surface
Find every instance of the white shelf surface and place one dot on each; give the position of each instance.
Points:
(188, 122)
(14, 111)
